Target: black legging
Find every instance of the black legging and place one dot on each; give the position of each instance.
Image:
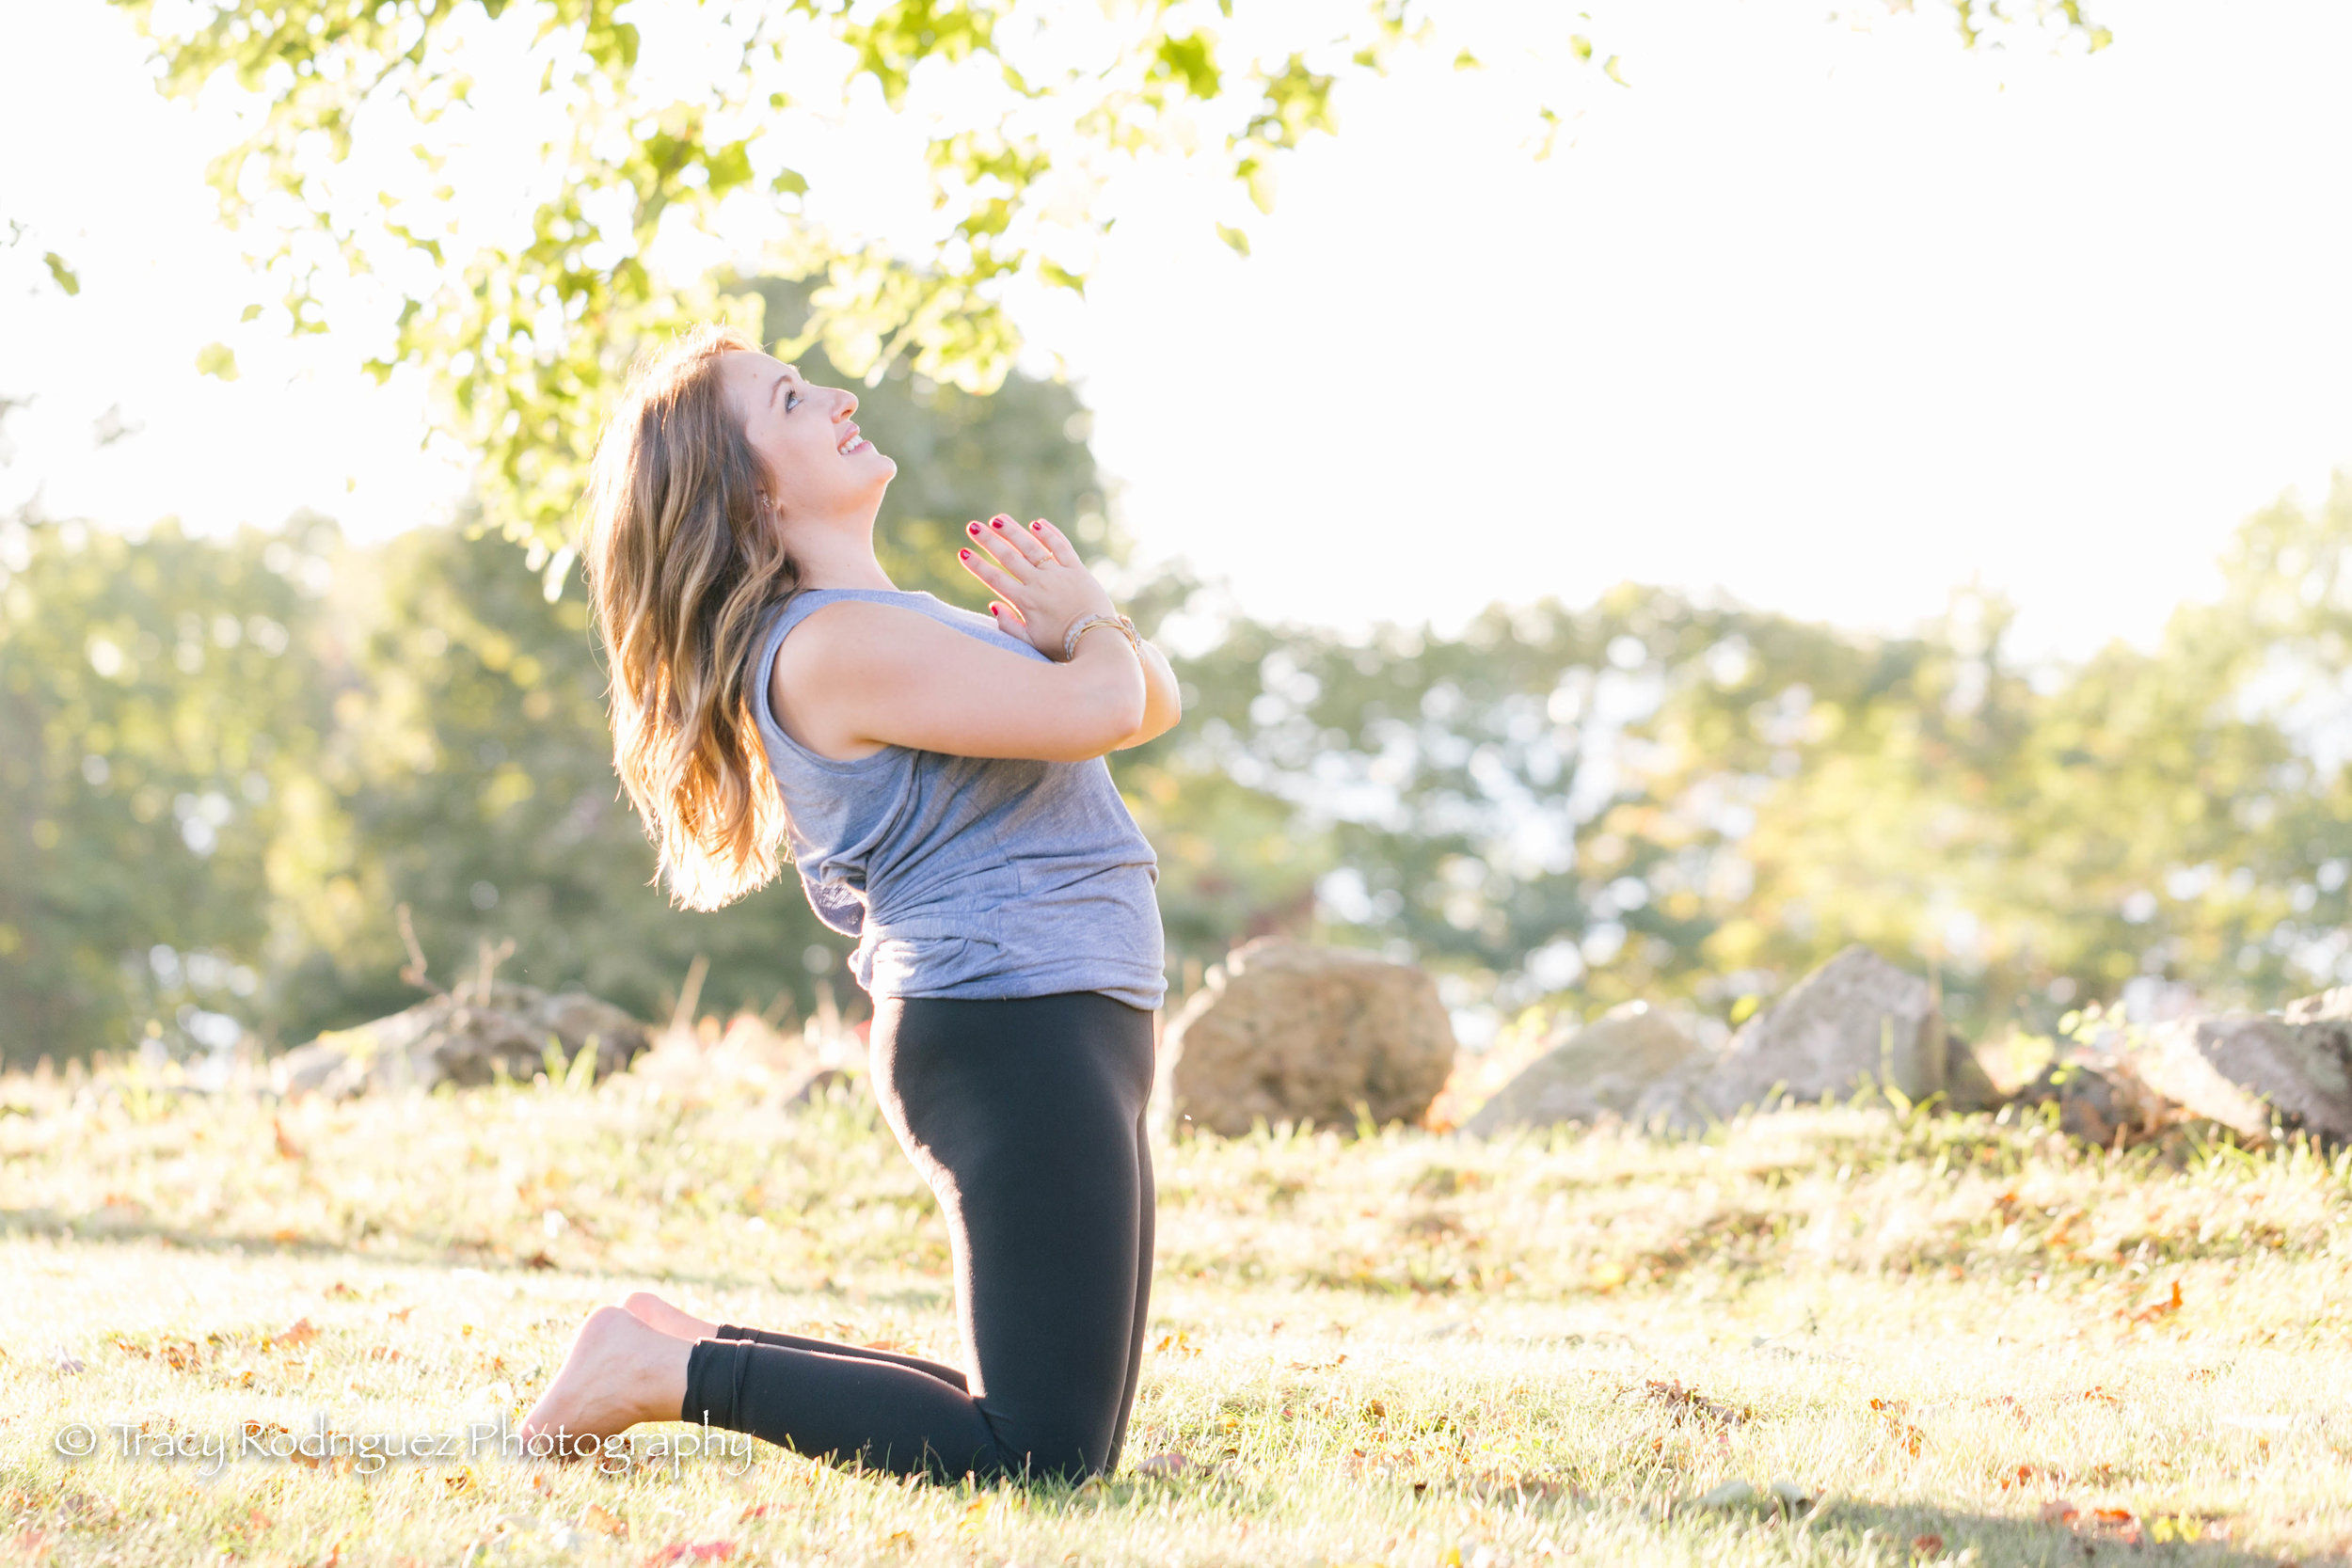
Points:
(1026, 1117)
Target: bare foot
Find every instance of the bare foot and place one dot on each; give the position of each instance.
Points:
(620, 1372)
(653, 1312)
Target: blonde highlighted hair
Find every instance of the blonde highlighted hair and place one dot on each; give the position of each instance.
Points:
(684, 561)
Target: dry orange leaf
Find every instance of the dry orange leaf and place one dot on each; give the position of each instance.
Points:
(300, 1332)
(603, 1520)
(1930, 1544)
(2157, 1312)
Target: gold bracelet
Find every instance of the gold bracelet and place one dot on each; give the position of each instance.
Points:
(1126, 629)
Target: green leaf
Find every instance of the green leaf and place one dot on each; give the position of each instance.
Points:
(1234, 237)
(218, 360)
(1062, 279)
(789, 183)
(251, 312)
(63, 273)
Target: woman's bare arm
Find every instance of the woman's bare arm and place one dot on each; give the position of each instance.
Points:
(855, 676)
(1162, 706)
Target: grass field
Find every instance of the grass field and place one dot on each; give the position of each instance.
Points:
(1822, 1337)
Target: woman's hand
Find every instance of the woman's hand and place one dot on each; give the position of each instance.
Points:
(1042, 589)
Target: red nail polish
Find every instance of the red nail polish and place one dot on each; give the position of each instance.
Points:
(964, 555)
(972, 529)
(996, 523)
(1036, 528)
(991, 609)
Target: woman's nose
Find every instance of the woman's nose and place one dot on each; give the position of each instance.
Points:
(848, 406)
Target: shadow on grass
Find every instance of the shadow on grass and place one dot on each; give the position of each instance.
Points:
(99, 1226)
(1920, 1531)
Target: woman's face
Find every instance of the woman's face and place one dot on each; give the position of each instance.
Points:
(818, 463)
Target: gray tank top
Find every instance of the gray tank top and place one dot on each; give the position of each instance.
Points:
(966, 877)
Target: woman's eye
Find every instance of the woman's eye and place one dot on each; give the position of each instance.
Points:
(790, 398)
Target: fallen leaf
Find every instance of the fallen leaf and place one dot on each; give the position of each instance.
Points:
(287, 1148)
(603, 1521)
(2101, 1394)
(1684, 1402)
(399, 1315)
(1930, 1544)
(701, 1551)
(1164, 1465)
(2157, 1312)
(2057, 1510)
(1905, 1434)
(300, 1332)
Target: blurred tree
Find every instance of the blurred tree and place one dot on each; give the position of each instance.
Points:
(154, 711)
(1027, 109)
(1657, 798)
(2179, 815)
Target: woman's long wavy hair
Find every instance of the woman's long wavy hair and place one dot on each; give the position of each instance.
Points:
(684, 561)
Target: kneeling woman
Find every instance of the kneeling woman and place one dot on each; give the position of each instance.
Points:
(939, 775)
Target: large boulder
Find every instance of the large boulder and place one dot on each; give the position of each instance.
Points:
(1635, 1062)
(2253, 1071)
(1283, 1031)
(462, 1038)
(1855, 1020)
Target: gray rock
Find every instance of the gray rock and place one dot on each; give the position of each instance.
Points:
(462, 1039)
(1289, 1032)
(2329, 1006)
(1855, 1020)
(1635, 1062)
(2252, 1071)
(2102, 1101)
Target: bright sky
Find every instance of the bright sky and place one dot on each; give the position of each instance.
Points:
(1833, 318)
